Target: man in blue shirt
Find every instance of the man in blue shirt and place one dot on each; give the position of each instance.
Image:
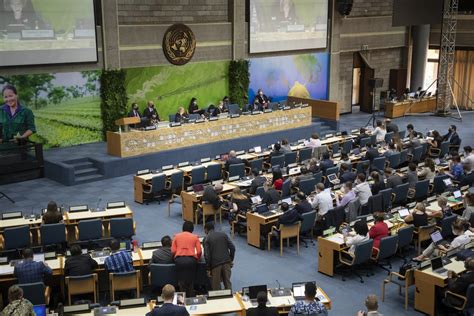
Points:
(168, 308)
(310, 305)
(30, 271)
(456, 169)
(118, 261)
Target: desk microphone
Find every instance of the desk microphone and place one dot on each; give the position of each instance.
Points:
(97, 207)
(279, 286)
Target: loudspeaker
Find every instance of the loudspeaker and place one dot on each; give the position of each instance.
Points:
(376, 83)
(344, 7)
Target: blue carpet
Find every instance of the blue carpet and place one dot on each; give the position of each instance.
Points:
(252, 266)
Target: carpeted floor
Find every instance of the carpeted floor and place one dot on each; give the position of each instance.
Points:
(252, 266)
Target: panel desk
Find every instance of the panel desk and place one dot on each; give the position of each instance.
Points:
(426, 282)
(399, 109)
(136, 143)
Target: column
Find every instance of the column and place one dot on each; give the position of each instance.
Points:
(421, 36)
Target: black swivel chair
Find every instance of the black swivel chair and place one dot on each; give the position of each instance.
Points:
(155, 190)
(162, 274)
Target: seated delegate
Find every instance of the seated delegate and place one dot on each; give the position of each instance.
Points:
(163, 254)
(181, 116)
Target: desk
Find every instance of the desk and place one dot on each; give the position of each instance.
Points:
(219, 306)
(136, 143)
(426, 282)
(254, 222)
(106, 214)
(139, 181)
(399, 109)
(327, 246)
(190, 199)
(15, 222)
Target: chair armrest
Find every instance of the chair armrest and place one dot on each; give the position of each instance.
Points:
(393, 196)
(226, 174)
(76, 232)
(377, 250)
(149, 277)
(347, 253)
(397, 275)
(248, 170)
(188, 179)
(147, 188)
(167, 184)
(274, 228)
(461, 297)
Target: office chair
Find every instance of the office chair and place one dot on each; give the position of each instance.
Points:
(318, 177)
(286, 188)
(290, 158)
(403, 281)
(124, 281)
(446, 226)
(208, 210)
(236, 170)
(255, 164)
(162, 274)
(402, 134)
(307, 185)
(37, 293)
(306, 229)
(362, 255)
(122, 228)
(399, 194)
(175, 186)
(89, 229)
(304, 154)
(353, 209)
(214, 172)
(286, 232)
(378, 163)
(386, 199)
(388, 137)
(155, 189)
(387, 249)
(438, 184)
(461, 302)
(416, 154)
(83, 284)
(196, 176)
(364, 141)
(405, 237)
(53, 235)
(346, 146)
(394, 160)
(422, 234)
(421, 190)
(17, 237)
(335, 148)
(403, 158)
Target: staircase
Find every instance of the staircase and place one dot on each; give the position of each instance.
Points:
(85, 170)
(323, 127)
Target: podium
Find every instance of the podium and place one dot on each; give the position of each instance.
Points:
(126, 121)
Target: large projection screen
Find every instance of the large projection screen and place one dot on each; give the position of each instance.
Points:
(283, 25)
(47, 32)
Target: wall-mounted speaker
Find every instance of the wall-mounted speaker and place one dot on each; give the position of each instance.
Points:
(344, 7)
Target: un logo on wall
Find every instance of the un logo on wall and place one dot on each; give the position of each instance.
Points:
(179, 44)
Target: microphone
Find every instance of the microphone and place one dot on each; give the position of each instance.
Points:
(97, 207)
(279, 286)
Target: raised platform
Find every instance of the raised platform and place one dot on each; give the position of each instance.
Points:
(90, 162)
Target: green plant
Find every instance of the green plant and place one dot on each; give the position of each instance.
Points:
(239, 80)
(114, 98)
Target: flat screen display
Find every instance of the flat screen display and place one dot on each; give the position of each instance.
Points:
(47, 32)
(417, 12)
(284, 25)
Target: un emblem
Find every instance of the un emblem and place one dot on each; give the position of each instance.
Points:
(179, 44)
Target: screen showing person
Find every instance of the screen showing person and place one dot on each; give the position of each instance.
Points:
(47, 32)
(287, 25)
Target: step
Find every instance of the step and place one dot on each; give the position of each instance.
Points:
(83, 165)
(86, 172)
(89, 178)
(76, 161)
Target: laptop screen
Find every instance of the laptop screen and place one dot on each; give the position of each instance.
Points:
(298, 290)
(332, 177)
(436, 236)
(258, 149)
(287, 200)
(256, 199)
(262, 208)
(436, 263)
(457, 194)
(40, 310)
(447, 182)
(254, 290)
(403, 212)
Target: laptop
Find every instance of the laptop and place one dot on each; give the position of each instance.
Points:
(198, 188)
(333, 178)
(447, 182)
(403, 212)
(256, 199)
(258, 149)
(287, 200)
(261, 208)
(254, 290)
(437, 265)
(40, 310)
(298, 291)
(437, 238)
(457, 195)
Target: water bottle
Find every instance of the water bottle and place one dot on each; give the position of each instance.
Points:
(134, 245)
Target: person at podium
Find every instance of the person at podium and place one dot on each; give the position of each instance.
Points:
(262, 100)
(135, 111)
(181, 116)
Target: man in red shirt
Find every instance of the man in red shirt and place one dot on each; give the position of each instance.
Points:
(379, 230)
(187, 251)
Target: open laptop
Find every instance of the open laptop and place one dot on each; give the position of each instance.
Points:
(437, 238)
(403, 212)
(457, 195)
(437, 265)
(40, 310)
(253, 292)
(333, 178)
(258, 149)
(447, 182)
(287, 200)
(256, 199)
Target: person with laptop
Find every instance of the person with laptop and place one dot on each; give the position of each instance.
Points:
(456, 170)
(302, 204)
(362, 189)
(31, 271)
(168, 308)
(52, 214)
(163, 255)
(428, 171)
(458, 283)
(187, 251)
(219, 252)
(276, 150)
(468, 202)
(285, 146)
(262, 309)
(346, 173)
(444, 210)
(326, 162)
(310, 305)
(211, 195)
(393, 178)
(412, 175)
(257, 181)
(359, 235)
(468, 176)
(271, 195)
(240, 203)
(290, 215)
(417, 216)
(322, 202)
(232, 160)
(304, 175)
(119, 260)
(18, 305)
(346, 196)
(463, 237)
(468, 157)
(79, 264)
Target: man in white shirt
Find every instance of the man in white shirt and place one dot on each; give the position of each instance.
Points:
(322, 201)
(314, 141)
(362, 189)
(468, 156)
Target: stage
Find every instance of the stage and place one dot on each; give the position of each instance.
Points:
(90, 162)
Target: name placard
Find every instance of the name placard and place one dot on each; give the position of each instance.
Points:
(37, 34)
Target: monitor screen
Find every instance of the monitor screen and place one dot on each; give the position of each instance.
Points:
(457, 194)
(436, 263)
(287, 25)
(436, 236)
(40, 310)
(254, 290)
(403, 212)
(47, 32)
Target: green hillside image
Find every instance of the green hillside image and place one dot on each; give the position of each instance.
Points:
(177, 85)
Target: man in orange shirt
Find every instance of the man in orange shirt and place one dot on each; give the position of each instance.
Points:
(187, 251)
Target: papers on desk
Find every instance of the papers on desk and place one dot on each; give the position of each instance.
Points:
(6, 269)
(243, 183)
(337, 238)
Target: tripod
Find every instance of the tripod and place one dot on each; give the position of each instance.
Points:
(373, 117)
(3, 195)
